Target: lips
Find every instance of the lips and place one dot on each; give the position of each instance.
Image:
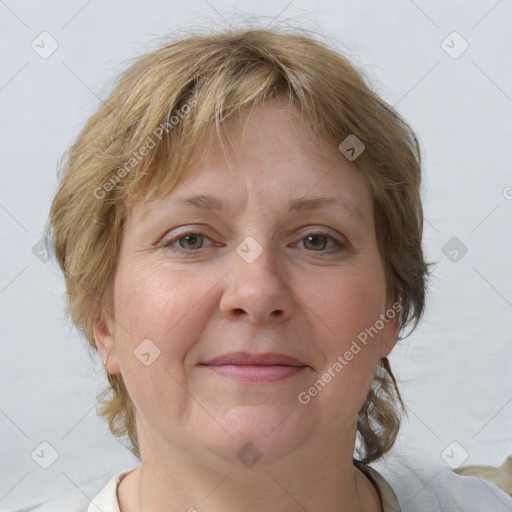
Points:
(247, 359)
(243, 366)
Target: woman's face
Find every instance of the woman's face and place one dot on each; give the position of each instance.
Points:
(244, 257)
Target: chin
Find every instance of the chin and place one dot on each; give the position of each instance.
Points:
(259, 435)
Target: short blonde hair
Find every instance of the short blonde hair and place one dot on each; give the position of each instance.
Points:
(154, 118)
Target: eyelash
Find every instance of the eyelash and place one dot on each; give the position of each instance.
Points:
(339, 245)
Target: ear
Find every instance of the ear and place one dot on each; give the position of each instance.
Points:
(389, 333)
(104, 335)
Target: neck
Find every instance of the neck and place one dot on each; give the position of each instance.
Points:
(306, 480)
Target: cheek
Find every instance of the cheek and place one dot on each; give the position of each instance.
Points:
(349, 306)
(169, 308)
(148, 304)
(164, 308)
(348, 302)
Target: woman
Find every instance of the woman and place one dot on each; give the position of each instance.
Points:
(239, 227)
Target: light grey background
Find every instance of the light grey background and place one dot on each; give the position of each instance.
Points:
(454, 371)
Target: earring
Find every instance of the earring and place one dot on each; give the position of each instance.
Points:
(105, 361)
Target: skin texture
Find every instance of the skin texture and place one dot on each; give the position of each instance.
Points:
(197, 298)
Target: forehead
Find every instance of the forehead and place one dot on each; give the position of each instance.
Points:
(270, 151)
(266, 131)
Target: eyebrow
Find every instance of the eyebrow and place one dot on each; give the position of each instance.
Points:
(312, 203)
(300, 204)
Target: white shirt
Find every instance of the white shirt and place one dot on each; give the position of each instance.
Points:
(401, 489)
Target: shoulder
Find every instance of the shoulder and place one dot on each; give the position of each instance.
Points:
(76, 500)
(419, 489)
(72, 501)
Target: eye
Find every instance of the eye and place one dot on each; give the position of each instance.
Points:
(317, 242)
(188, 241)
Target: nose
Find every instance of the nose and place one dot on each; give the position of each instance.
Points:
(257, 290)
